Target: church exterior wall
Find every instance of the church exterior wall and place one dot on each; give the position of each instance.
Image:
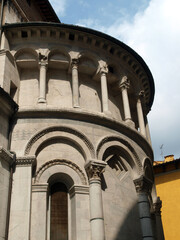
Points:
(83, 100)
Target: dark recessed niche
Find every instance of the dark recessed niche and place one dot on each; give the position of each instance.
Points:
(24, 34)
(71, 36)
(111, 69)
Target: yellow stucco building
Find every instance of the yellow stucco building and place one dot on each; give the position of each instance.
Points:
(167, 179)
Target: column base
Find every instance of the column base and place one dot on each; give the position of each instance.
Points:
(76, 106)
(41, 100)
(130, 123)
(108, 113)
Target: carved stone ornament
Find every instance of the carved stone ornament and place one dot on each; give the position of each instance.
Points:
(104, 69)
(95, 168)
(6, 156)
(143, 184)
(124, 83)
(26, 160)
(74, 63)
(141, 94)
(157, 207)
(43, 60)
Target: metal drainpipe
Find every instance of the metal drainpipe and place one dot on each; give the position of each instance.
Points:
(1, 18)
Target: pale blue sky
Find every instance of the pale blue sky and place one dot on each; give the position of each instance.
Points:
(152, 28)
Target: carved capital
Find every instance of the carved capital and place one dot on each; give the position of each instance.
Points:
(124, 83)
(140, 95)
(143, 185)
(95, 168)
(157, 207)
(26, 160)
(104, 69)
(43, 61)
(75, 62)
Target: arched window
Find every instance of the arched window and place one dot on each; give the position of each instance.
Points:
(59, 212)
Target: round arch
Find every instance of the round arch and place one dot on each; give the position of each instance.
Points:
(122, 145)
(80, 140)
(63, 52)
(29, 51)
(60, 170)
(148, 169)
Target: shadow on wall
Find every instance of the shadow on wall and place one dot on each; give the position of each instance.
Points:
(127, 230)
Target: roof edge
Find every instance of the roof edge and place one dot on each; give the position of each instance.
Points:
(99, 34)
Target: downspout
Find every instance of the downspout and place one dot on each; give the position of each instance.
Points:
(1, 18)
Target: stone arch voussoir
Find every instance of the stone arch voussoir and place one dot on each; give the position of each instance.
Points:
(58, 166)
(72, 134)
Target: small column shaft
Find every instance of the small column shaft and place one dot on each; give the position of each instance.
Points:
(75, 83)
(141, 118)
(42, 83)
(104, 91)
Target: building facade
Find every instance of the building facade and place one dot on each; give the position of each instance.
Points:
(76, 155)
(167, 180)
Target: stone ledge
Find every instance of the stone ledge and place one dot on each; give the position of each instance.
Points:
(6, 156)
(90, 117)
(77, 189)
(26, 161)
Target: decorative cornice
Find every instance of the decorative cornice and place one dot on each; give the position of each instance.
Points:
(143, 185)
(26, 160)
(6, 156)
(95, 168)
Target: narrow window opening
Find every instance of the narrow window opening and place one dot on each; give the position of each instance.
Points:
(59, 212)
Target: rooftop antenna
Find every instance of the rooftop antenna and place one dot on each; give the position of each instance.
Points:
(161, 148)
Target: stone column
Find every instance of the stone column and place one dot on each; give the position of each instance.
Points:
(75, 83)
(140, 114)
(143, 188)
(157, 212)
(147, 131)
(19, 227)
(39, 212)
(6, 161)
(124, 86)
(94, 169)
(104, 89)
(42, 81)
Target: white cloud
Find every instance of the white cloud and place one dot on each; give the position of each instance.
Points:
(59, 6)
(155, 34)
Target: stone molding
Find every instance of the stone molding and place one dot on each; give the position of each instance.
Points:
(143, 185)
(60, 162)
(59, 128)
(157, 207)
(122, 141)
(77, 189)
(95, 168)
(26, 161)
(40, 187)
(6, 156)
